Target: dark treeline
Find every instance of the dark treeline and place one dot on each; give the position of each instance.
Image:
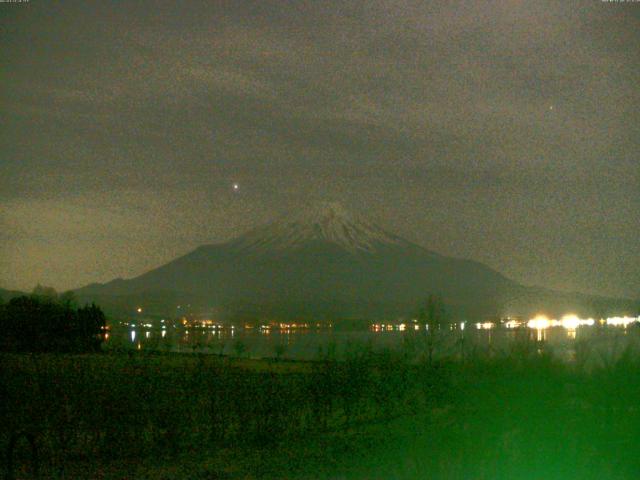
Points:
(47, 322)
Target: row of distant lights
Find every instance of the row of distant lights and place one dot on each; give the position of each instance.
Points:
(570, 322)
(540, 322)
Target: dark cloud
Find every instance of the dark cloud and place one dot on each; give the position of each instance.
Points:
(503, 131)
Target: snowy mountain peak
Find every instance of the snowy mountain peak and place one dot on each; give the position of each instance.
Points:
(328, 222)
(324, 212)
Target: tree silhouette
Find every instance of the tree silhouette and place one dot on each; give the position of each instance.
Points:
(434, 312)
(91, 323)
(45, 292)
(69, 299)
(280, 349)
(42, 323)
(433, 315)
(239, 348)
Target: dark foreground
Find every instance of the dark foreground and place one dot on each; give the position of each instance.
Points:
(374, 416)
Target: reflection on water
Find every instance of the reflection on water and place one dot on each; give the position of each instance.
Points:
(558, 337)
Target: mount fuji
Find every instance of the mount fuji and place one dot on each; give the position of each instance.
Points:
(327, 263)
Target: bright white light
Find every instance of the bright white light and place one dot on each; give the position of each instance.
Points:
(484, 326)
(570, 322)
(139, 309)
(461, 325)
(236, 186)
(540, 322)
(133, 335)
(621, 321)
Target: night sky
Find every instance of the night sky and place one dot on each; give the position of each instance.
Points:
(506, 131)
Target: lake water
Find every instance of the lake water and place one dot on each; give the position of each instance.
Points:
(597, 343)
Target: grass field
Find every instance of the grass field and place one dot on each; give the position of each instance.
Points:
(520, 415)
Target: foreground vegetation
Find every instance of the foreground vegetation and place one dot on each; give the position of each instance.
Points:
(375, 415)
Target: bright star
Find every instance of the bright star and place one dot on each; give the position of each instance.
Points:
(236, 186)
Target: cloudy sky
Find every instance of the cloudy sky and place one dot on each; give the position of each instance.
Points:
(503, 131)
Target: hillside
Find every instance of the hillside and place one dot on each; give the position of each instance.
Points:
(327, 263)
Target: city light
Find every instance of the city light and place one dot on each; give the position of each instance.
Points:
(539, 323)
(621, 321)
(485, 326)
(570, 322)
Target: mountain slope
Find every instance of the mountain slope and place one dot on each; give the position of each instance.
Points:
(7, 295)
(326, 263)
